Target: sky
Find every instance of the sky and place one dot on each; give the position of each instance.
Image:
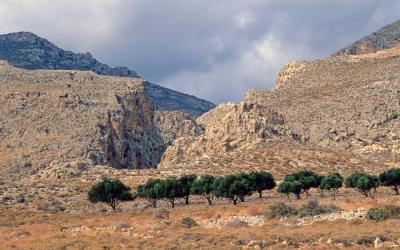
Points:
(214, 49)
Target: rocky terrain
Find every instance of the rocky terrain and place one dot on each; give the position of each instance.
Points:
(341, 105)
(385, 38)
(28, 51)
(74, 115)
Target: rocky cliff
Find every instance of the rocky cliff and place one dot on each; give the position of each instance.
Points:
(64, 116)
(27, 50)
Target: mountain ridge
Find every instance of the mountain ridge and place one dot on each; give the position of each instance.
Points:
(28, 51)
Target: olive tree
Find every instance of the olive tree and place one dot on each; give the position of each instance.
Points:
(261, 181)
(186, 182)
(111, 192)
(171, 189)
(391, 178)
(204, 186)
(233, 187)
(151, 191)
(332, 182)
(363, 183)
(294, 187)
(307, 178)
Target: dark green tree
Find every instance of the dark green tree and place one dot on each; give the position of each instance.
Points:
(204, 186)
(307, 178)
(261, 181)
(232, 187)
(391, 178)
(285, 188)
(363, 183)
(332, 182)
(151, 191)
(186, 182)
(111, 192)
(171, 189)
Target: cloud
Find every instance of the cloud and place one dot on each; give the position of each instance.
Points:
(214, 49)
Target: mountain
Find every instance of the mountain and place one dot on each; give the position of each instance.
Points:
(338, 113)
(385, 38)
(29, 51)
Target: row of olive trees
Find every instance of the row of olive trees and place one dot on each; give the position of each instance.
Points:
(236, 187)
(302, 181)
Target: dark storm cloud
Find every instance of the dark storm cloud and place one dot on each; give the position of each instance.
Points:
(213, 49)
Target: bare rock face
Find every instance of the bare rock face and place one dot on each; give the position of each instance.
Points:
(70, 115)
(288, 71)
(228, 127)
(173, 125)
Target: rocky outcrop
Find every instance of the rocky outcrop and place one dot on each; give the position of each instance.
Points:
(228, 127)
(71, 115)
(288, 71)
(173, 125)
(385, 38)
(28, 51)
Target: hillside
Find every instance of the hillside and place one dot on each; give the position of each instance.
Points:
(29, 51)
(336, 113)
(385, 38)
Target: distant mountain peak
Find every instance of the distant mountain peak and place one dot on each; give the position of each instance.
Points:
(386, 37)
(29, 51)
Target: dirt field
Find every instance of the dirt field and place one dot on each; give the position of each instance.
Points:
(222, 226)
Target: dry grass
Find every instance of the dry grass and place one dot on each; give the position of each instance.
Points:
(27, 229)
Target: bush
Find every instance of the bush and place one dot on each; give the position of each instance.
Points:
(391, 178)
(312, 208)
(332, 182)
(204, 186)
(280, 209)
(383, 212)
(395, 115)
(111, 192)
(189, 222)
(363, 183)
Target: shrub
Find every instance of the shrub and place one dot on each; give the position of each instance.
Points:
(189, 222)
(280, 209)
(395, 115)
(261, 181)
(233, 187)
(332, 182)
(203, 186)
(312, 208)
(111, 192)
(162, 213)
(151, 191)
(391, 178)
(383, 212)
(186, 182)
(363, 183)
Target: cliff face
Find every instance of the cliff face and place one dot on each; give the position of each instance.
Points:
(61, 116)
(28, 51)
